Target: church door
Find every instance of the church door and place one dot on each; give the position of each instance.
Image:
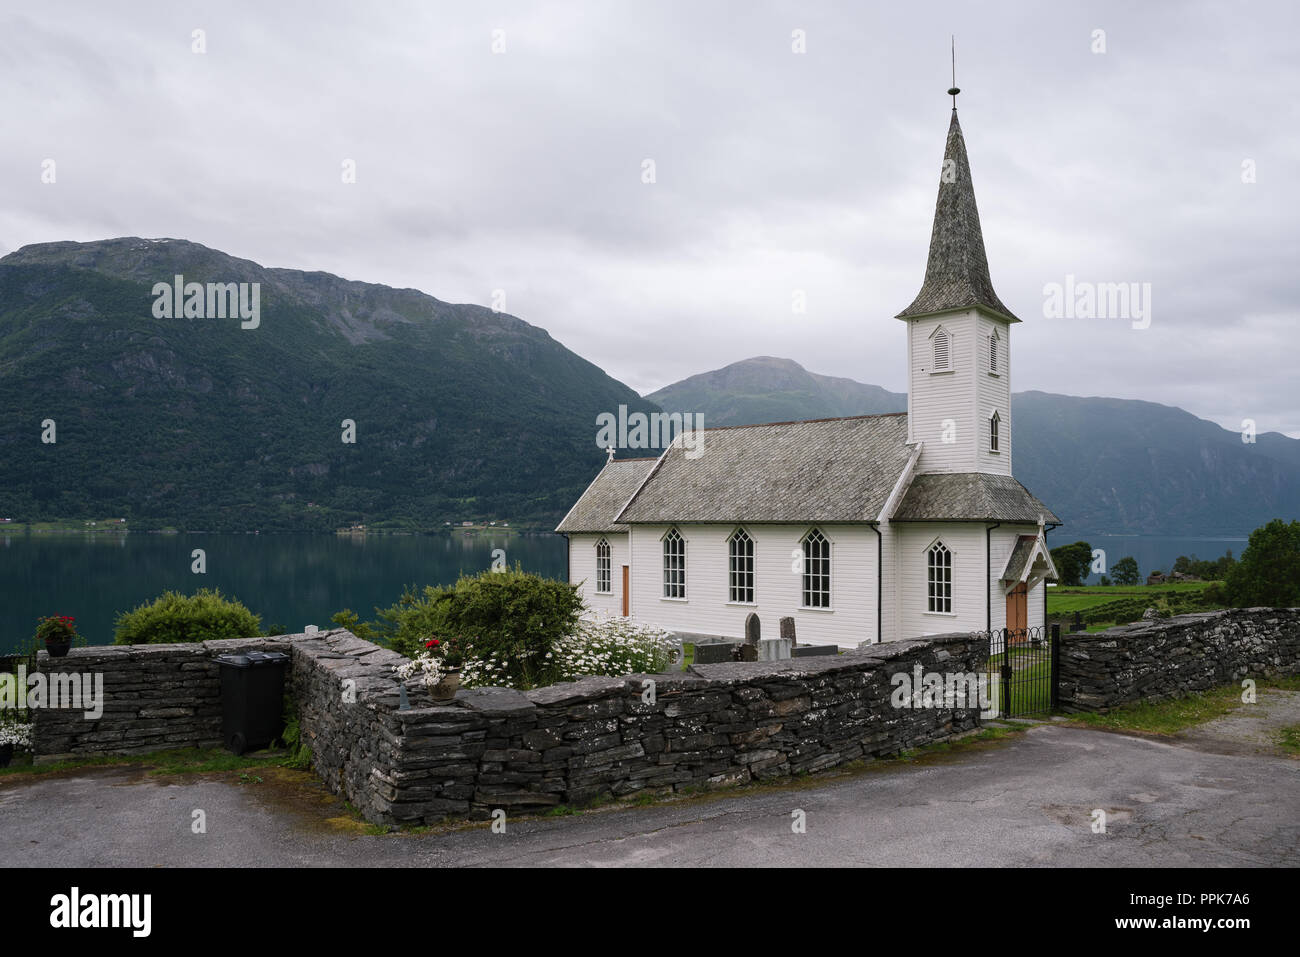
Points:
(626, 576)
(1018, 609)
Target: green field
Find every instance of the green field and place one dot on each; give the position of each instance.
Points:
(1103, 605)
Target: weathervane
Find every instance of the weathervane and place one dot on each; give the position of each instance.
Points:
(954, 91)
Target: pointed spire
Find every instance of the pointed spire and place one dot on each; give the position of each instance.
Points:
(957, 272)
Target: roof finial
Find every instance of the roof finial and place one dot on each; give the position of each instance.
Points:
(954, 91)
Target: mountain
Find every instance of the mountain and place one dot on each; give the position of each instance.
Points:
(765, 389)
(461, 413)
(1104, 465)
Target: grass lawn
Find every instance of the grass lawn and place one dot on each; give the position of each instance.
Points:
(1178, 714)
(1104, 605)
(1063, 600)
(176, 761)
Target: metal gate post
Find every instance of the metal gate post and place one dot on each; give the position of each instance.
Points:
(1056, 666)
(1006, 673)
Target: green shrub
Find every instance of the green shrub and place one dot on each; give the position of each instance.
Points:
(511, 616)
(173, 617)
(1269, 571)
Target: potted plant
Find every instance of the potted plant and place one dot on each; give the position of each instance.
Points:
(11, 736)
(58, 633)
(438, 667)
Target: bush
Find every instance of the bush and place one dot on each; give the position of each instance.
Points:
(173, 617)
(510, 617)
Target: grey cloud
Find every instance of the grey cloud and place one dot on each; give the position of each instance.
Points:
(775, 171)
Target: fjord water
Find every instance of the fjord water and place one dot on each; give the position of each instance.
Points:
(290, 580)
(299, 580)
(1152, 552)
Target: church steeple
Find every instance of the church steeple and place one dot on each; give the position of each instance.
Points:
(957, 272)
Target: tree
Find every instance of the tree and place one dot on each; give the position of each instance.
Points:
(1269, 571)
(1072, 562)
(1126, 571)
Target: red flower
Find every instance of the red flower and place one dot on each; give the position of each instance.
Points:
(431, 643)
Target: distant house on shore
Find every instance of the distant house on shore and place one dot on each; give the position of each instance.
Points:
(863, 529)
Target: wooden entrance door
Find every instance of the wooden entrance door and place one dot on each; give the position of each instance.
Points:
(1018, 608)
(626, 577)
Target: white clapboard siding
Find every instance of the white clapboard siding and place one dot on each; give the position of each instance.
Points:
(994, 393)
(934, 397)
(966, 542)
(889, 613)
(777, 588)
(582, 571)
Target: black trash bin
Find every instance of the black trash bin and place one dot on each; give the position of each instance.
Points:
(252, 699)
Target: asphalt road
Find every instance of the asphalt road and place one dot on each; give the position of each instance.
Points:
(1218, 796)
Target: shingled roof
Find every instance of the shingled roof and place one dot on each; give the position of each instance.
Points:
(957, 272)
(609, 491)
(970, 497)
(822, 470)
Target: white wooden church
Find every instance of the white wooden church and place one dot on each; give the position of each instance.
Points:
(863, 529)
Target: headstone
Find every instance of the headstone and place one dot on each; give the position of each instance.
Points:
(753, 630)
(747, 652)
(814, 651)
(715, 652)
(1077, 624)
(787, 630)
(774, 649)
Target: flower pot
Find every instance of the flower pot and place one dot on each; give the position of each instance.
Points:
(6, 754)
(447, 686)
(58, 649)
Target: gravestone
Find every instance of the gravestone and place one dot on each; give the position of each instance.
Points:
(814, 651)
(787, 630)
(715, 652)
(774, 649)
(753, 635)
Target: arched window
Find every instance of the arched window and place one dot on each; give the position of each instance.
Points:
(995, 422)
(939, 578)
(940, 343)
(993, 352)
(603, 576)
(674, 565)
(740, 567)
(816, 570)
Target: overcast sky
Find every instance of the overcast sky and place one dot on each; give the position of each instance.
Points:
(775, 171)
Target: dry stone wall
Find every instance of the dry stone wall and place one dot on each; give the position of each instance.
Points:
(495, 748)
(1169, 657)
(155, 697)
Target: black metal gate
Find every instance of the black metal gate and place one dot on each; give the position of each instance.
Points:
(1022, 671)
